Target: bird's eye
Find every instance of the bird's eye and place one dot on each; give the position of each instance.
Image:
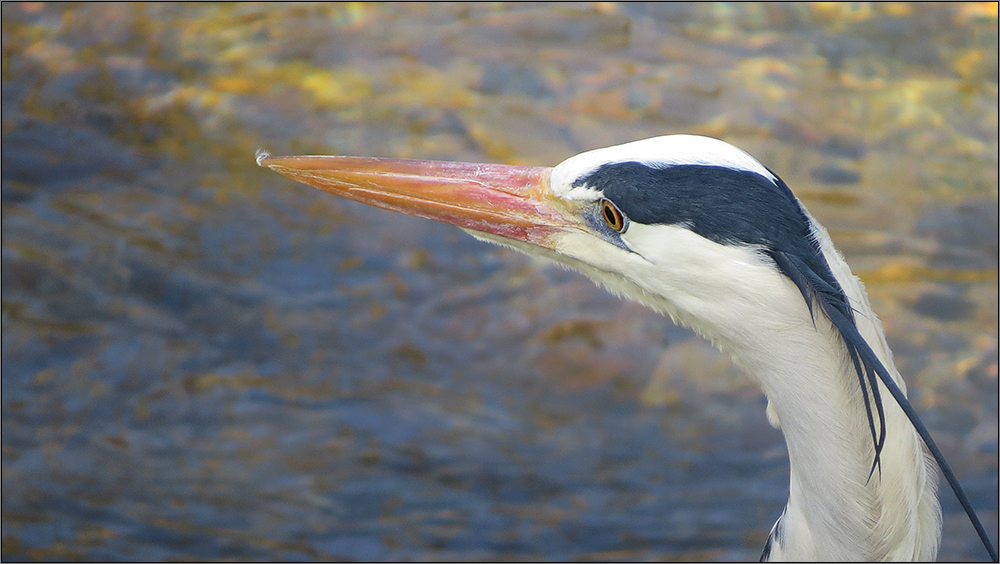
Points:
(612, 216)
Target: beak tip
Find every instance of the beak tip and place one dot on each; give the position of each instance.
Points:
(262, 156)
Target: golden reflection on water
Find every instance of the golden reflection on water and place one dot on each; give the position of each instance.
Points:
(237, 367)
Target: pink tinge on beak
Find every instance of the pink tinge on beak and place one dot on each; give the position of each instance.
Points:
(510, 201)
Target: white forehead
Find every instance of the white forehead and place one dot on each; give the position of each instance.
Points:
(668, 150)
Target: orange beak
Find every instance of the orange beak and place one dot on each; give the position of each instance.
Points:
(513, 202)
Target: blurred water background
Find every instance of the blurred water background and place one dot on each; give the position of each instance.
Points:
(203, 360)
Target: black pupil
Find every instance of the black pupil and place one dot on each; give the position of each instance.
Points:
(611, 216)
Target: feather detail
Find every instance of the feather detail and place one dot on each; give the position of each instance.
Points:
(834, 304)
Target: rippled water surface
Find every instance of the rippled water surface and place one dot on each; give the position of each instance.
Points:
(204, 360)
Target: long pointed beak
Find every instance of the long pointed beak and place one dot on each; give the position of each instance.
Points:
(513, 202)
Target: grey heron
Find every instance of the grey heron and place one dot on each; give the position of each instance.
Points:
(697, 229)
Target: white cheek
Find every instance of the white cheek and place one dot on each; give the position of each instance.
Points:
(710, 285)
(688, 262)
(673, 245)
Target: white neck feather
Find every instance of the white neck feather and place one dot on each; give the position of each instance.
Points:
(834, 512)
(740, 301)
(814, 391)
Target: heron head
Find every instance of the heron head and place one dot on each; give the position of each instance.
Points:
(686, 224)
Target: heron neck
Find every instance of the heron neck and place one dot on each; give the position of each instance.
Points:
(815, 398)
(830, 454)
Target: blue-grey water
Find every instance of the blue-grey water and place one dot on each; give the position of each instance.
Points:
(203, 360)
